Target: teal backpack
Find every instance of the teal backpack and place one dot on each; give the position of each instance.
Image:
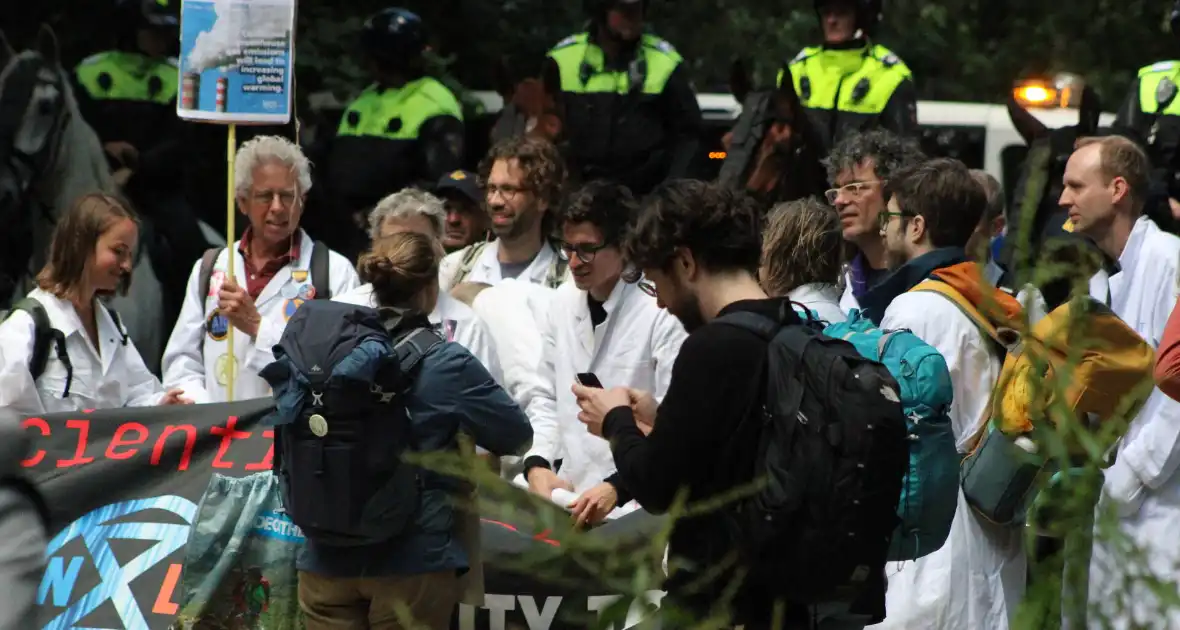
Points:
(930, 492)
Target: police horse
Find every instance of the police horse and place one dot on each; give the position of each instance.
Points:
(774, 151)
(49, 157)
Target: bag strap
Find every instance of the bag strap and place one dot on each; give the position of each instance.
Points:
(320, 278)
(118, 324)
(45, 337)
(966, 307)
(467, 262)
(760, 325)
(988, 329)
(415, 345)
(205, 275)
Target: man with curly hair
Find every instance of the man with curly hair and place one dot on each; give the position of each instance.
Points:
(523, 179)
(860, 166)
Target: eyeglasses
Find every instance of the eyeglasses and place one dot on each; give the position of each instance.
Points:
(855, 189)
(508, 193)
(584, 251)
(286, 197)
(648, 288)
(884, 216)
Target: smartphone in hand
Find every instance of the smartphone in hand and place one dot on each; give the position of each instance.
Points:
(588, 379)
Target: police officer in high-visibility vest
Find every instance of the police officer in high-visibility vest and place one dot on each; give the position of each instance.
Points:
(850, 84)
(628, 111)
(406, 129)
(128, 96)
(1150, 115)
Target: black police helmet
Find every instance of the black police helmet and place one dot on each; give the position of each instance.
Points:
(150, 13)
(394, 35)
(869, 13)
(596, 9)
(1174, 18)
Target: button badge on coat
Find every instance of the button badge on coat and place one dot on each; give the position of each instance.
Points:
(224, 369)
(318, 425)
(217, 325)
(299, 275)
(307, 292)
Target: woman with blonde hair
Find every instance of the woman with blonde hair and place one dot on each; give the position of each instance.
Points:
(801, 250)
(362, 587)
(62, 348)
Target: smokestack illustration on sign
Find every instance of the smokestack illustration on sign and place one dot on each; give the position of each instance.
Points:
(222, 92)
(190, 90)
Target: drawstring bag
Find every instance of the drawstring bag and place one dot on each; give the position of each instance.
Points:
(239, 569)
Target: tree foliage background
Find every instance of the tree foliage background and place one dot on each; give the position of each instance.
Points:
(968, 50)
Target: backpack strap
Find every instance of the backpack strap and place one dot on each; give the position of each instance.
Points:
(760, 325)
(415, 345)
(967, 308)
(557, 270)
(45, 337)
(467, 262)
(205, 275)
(118, 324)
(320, 277)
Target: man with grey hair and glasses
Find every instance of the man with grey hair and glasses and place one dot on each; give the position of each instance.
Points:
(415, 210)
(276, 268)
(859, 166)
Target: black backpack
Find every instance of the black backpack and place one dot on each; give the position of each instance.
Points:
(833, 450)
(340, 378)
(47, 338)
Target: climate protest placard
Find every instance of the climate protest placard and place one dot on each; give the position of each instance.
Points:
(237, 61)
(166, 517)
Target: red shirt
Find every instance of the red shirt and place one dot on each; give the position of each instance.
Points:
(257, 279)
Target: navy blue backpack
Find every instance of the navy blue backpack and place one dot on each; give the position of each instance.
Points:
(340, 378)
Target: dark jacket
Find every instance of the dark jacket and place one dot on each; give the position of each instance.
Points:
(704, 441)
(453, 393)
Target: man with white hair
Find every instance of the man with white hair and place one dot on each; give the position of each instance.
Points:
(415, 210)
(276, 268)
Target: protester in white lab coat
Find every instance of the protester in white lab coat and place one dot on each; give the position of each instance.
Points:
(272, 277)
(415, 210)
(90, 362)
(977, 578)
(1105, 187)
(860, 165)
(801, 249)
(601, 324)
(523, 180)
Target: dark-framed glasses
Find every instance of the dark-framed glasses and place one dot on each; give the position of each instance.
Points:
(584, 251)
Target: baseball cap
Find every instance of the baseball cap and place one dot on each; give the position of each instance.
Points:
(464, 182)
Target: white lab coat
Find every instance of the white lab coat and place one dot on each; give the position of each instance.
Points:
(113, 377)
(487, 266)
(635, 347)
(513, 312)
(977, 579)
(848, 301)
(455, 319)
(1142, 484)
(821, 299)
(202, 374)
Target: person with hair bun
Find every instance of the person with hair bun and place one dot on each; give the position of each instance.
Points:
(62, 348)
(362, 587)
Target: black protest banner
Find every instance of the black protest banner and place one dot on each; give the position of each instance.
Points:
(123, 488)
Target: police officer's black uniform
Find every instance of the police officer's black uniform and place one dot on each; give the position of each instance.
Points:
(632, 119)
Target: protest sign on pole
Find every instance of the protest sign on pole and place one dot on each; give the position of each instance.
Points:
(237, 61)
(237, 66)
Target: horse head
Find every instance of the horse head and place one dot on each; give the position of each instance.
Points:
(34, 104)
(529, 109)
(773, 150)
